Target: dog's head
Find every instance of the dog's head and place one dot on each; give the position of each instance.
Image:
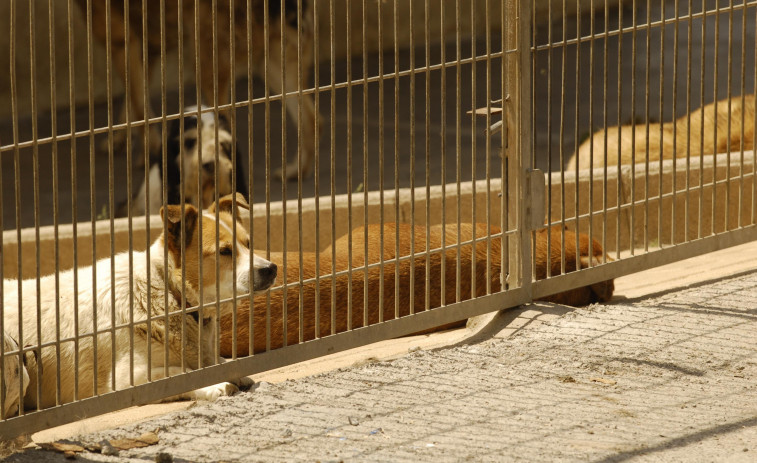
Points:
(214, 260)
(204, 155)
(12, 371)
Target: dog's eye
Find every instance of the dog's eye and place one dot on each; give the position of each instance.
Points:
(189, 142)
(225, 251)
(247, 244)
(226, 146)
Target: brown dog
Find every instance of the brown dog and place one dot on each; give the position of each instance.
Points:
(703, 139)
(375, 279)
(224, 35)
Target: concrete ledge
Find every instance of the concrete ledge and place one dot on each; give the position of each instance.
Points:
(279, 229)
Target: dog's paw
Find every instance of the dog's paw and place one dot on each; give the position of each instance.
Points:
(244, 383)
(215, 391)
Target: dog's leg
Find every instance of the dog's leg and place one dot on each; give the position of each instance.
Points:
(290, 84)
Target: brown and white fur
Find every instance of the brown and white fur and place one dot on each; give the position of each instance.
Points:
(105, 300)
(702, 127)
(260, 41)
(14, 375)
(202, 163)
(375, 281)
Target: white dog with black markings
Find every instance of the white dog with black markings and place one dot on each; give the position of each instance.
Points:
(166, 282)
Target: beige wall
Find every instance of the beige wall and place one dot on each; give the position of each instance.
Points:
(60, 34)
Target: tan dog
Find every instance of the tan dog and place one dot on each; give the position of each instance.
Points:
(209, 73)
(14, 375)
(701, 125)
(104, 304)
(579, 296)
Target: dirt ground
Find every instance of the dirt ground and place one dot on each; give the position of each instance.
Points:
(669, 378)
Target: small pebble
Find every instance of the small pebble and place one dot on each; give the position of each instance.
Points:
(109, 450)
(163, 457)
(414, 349)
(353, 421)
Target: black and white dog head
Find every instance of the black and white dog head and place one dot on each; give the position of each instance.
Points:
(205, 159)
(201, 160)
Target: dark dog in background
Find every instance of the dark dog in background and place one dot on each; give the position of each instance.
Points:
(284, 34)
(201, 164)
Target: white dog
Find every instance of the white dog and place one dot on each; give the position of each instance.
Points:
(14, 372)
(105, 303)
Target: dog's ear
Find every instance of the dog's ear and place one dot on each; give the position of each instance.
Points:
(171, 215)
(226, 203)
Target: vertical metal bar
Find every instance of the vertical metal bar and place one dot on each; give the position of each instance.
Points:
(282, 75)
(92, 188)
(754, 132)
(216, 101)
(365, 161)
(74, 209)
(129, 167)
(488, 144)
(234, 172)
(618, 178)
(473, 150)
(744, 12)
(646, 125)
(729, 133)
(266, 70)
(412, 160)
(146, 152)
(300, 83)
(182, 179)
(332, 123)
(576, 134)
(164, 160)
(550, 49)
(251, 177)
(111, 192)
(443, 152)
(381, 142)
(662, 131)
(348, 17)
(701, 113)
(56, 201)
(35, 162)
(632, 212)
(689, 35)
(458, 145)
(198, 95)
(317, 170)
(715, 122)
(427, 149)
(17, 187)
(592, 35)
(674, 186)
(3, 392)
(562, 137)
(505, 271)
(395, 21)
(605, 99)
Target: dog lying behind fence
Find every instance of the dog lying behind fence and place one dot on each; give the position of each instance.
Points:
(201, 166)
(702, 135)
(104, 304)
(375, 278)
(14, 376)
(214, 70)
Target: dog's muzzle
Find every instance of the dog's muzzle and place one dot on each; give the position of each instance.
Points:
(264, 277)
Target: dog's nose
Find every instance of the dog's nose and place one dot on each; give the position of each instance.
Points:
(268, 274)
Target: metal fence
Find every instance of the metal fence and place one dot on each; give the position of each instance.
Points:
(433, 116)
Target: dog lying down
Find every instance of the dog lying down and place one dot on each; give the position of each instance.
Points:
(580, 296)
(15, 376)
(707, 128)
(111, 305)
